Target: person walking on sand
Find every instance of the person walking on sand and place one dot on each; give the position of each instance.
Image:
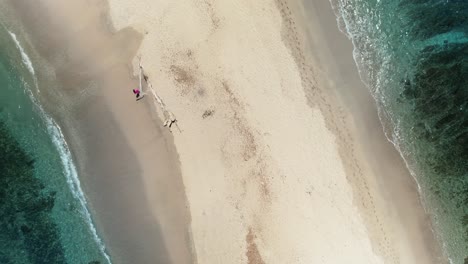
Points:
(136, 92)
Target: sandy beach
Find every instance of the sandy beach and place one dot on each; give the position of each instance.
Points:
(277, 156)
(282, 154)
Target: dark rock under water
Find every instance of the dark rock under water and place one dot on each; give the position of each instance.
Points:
(27, 231)
(428, 18)
(438, 95)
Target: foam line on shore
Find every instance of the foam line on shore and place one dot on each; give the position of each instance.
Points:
(61, 145)
(25, 58)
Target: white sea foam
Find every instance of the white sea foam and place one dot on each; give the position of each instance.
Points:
(72, 175)
(24, 57)
(65, 155)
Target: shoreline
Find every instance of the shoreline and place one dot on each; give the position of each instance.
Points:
(61, 173)
(438, 202)
(118, 156)
(391, 174)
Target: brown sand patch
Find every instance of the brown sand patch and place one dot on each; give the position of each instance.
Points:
(201, 92)
(209, 9)
(232, 98)
(189, 54)
(182, 76)
(240, 146)
(260, 172)
(253, 255)
(249, 144)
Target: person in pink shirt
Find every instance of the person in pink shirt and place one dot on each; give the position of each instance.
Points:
(136, 92)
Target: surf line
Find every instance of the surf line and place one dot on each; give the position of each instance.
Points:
(61, 145)
(25, 58)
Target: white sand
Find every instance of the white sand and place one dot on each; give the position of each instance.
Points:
(264, 176)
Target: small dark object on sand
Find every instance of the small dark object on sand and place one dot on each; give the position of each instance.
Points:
(208, 113)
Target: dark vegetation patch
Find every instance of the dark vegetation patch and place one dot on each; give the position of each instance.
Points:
(26, 228)
(428, 18)
(438, 97)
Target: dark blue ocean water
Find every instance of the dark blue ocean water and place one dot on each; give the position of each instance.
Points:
(413, 55)
(43, 214)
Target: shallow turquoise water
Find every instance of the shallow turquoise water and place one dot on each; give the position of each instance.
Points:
(43, 217)
(413, 55)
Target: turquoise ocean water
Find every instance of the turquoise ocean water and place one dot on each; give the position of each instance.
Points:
(43, 213)
(413, 55)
